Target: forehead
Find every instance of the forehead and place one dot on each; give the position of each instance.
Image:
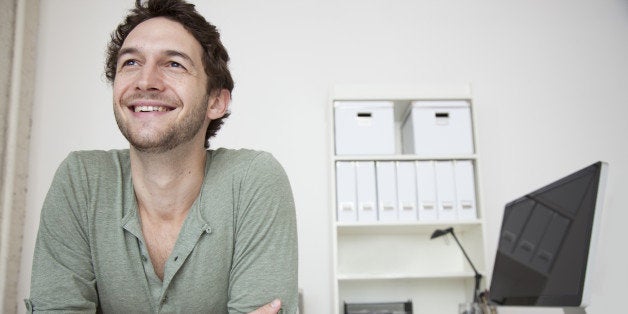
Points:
(161, 34)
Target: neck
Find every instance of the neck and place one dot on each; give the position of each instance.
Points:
(167, 184)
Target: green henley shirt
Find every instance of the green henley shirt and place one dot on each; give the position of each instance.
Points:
(236, 251)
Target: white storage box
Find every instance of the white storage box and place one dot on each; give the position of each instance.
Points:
(366, 191)
(346, 189)
(465, 190)
(436, 128)
(364, 128)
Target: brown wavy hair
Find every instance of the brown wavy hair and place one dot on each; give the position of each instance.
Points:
(215, 56)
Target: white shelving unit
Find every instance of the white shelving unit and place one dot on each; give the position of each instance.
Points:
(397, 261)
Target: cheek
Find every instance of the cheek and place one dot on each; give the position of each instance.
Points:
(119, 87)
(191, 92)
(116, 91)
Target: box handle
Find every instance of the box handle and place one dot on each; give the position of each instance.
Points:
(442, 118)
(365, 119)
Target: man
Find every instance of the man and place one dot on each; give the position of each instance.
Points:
(167, 225)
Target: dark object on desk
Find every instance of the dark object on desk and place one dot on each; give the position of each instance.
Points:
(547, 241)
(478, 276)
(379, 308)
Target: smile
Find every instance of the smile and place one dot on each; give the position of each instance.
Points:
(150, 108)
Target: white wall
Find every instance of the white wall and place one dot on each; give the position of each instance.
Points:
(548, 77)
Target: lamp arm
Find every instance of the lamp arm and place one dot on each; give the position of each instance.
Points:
(478, 276)
(465, 253)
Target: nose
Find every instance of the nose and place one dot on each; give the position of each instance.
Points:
(150, 78)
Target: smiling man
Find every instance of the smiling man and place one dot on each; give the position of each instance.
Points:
(167, 225)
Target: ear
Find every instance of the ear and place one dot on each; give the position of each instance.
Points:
(218, 104)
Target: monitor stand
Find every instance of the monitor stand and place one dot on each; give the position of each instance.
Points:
(574, 310)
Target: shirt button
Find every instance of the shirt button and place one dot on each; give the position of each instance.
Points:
(144, 258)
(207, 229)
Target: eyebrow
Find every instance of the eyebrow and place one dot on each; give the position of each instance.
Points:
(169, 53)
(175, 53)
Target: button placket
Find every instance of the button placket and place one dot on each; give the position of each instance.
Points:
(181, 252)
(207, 229)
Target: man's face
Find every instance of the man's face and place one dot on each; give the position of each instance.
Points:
(160, 89)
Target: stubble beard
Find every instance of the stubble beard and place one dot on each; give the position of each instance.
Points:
(162, 141)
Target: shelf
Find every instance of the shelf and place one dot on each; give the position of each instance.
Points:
(400, 93)
(406, 251)
(402, 157)
(433, 275)
(406, 227)
(428, 295)
(391, 260)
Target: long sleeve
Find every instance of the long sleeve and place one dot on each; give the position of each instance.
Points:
(63, 277)
(265, 254)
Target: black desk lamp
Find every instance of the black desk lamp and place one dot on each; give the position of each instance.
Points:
(478, 276)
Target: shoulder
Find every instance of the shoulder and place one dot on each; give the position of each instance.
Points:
(95, 163)
(92, 156)
(82, 179)
(244, 161)
(248, 171)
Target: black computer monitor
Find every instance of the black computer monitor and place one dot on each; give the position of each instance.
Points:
(544, 256)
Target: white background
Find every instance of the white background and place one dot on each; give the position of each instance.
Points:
(549, 82)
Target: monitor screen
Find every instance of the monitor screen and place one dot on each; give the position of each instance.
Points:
(545, 243)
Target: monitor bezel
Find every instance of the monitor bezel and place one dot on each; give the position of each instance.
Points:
(586, 285)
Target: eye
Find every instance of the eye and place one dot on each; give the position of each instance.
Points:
(130, 62)
(175, 64)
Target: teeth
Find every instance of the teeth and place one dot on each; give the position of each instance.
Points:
(150, 108)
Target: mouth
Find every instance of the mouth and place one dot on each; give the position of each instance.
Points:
(145, 108)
